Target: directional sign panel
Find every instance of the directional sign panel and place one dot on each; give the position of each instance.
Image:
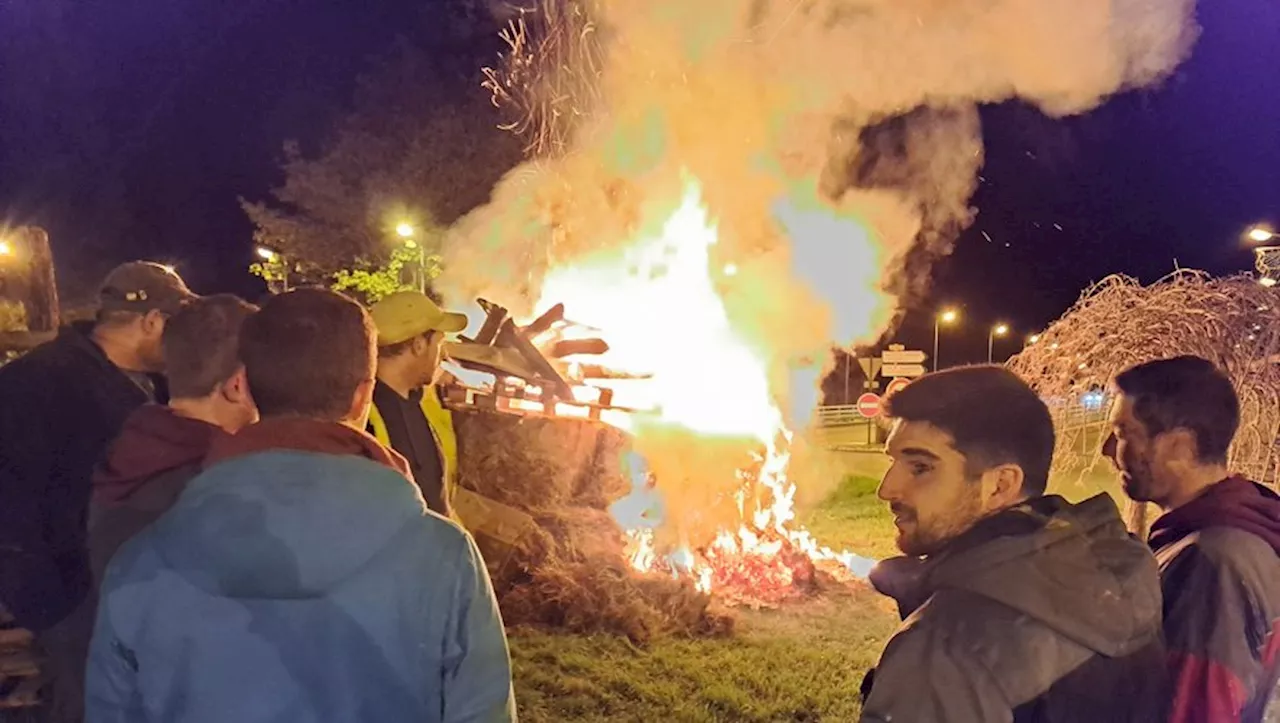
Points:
(908, 356)
(909, 371)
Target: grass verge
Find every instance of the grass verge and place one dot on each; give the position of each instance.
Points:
(801, 663)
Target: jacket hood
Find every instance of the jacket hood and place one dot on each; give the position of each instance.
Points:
(1072, 567)
(154, 440)
(284, 524)
(1234, 502)
(302, 434)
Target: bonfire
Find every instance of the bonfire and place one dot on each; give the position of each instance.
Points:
(674, 491)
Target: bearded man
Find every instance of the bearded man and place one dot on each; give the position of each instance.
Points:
(1016, 606)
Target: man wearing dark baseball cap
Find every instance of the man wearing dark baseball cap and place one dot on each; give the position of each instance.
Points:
(62, 404)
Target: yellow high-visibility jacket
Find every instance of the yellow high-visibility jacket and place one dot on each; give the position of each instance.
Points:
(476, 513)
(441, 422)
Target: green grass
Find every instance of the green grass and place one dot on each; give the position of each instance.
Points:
(801, 663)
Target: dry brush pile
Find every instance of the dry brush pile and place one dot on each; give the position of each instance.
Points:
(1117, 323)
(570, 572)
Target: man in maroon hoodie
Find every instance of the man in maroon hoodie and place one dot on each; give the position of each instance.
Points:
(162, 447)
(1218, 543)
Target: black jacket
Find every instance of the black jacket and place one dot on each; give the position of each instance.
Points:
(60, 406)
(1043, 613)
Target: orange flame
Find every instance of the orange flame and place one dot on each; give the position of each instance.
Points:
(658, 302)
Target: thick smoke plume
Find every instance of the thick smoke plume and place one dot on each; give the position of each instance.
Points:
(836, 143)
(866, 107)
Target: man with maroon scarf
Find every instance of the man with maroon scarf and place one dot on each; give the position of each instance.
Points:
(162, 447)
(1218, 543)
(300, 576)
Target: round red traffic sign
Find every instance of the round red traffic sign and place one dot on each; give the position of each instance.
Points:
(895, 386)
(869, 405)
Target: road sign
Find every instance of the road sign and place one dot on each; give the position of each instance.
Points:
(895, 386)
(869, 405)
(870, 368)
(909, 356)
(909, 371)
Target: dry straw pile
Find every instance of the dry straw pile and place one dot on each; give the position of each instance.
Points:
(570, 571)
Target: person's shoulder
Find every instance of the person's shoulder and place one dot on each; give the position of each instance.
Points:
(136, 561)
(1223, 552)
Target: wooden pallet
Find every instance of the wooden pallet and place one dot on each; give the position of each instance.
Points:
(20, 680)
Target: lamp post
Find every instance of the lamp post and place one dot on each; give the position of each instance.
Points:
(997, 330)
(1266, 256)
(275, 259)
(946, 316)
(406, 231)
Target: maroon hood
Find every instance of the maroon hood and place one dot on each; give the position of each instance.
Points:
(1234, 502)
(301, 434)
(154, 440)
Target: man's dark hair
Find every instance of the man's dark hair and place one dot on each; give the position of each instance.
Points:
(1185, 392)
(202, 344)
(993, 417)
(306, 352)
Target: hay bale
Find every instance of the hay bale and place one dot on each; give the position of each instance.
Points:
(608, 479)
(523, 461)
(597, 595)
(569, 571)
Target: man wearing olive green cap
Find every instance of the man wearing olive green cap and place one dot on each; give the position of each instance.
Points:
(407, 413)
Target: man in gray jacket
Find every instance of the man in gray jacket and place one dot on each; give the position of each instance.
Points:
(1017, 606)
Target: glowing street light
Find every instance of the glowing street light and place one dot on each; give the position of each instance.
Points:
(266, 254)
(946, 316)
(404, 230)
(5, 248)
(1261, 234)
(1033, 339)
(997, 330)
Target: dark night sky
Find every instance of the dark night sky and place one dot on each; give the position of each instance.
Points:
(139, 122)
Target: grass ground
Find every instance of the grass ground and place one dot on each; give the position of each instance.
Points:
(803, 663)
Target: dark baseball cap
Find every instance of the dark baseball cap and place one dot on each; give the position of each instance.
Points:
(143, 286)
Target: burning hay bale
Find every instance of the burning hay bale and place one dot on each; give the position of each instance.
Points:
(569, 569)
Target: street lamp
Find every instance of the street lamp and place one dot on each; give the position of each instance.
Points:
(273, 261)
(406, 231)
(1033, 339)
(1261, 234)
(997, 330)
(5, 249)
(946, 316)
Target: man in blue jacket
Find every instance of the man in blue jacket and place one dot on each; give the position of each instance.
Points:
(300, 577)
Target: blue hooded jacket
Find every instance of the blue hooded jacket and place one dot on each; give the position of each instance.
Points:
(290, 586)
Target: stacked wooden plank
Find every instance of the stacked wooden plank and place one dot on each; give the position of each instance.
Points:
(19, 670)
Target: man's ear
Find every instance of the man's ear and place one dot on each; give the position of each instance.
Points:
(421, 344)
(1177, 445)
(1002, 486)
(361, 401)
(236, 388)
(153, 322)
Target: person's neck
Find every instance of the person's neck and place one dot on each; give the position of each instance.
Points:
(1192, 484)
(118, 349)
(202, 410)
(398, 379)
